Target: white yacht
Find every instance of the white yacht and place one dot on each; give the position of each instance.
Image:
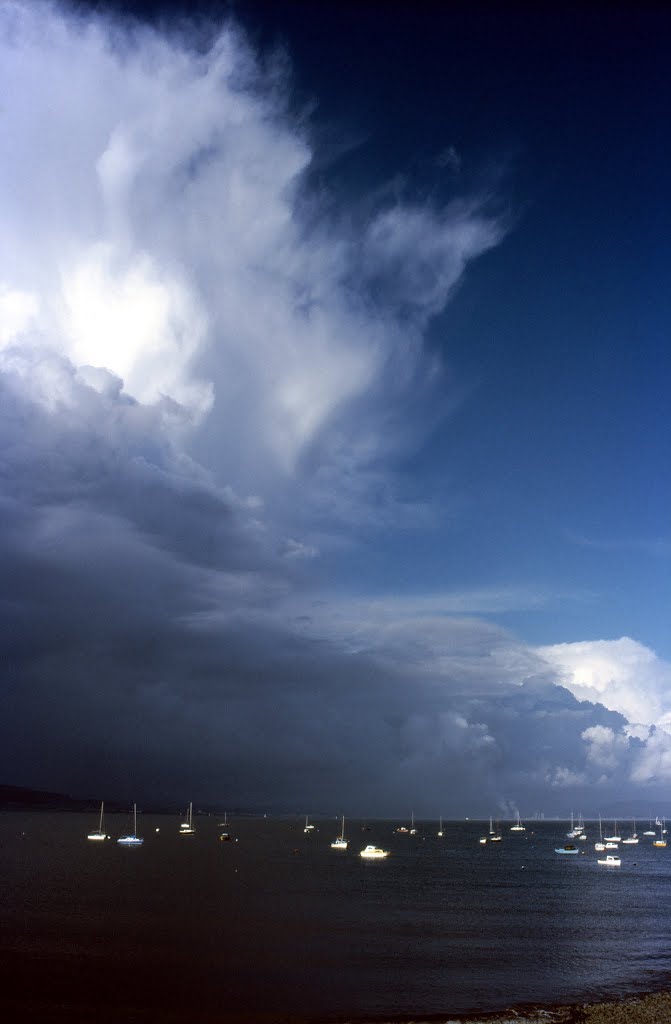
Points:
(186, 828)
(132, 839)
(373, 853)
(610, 861)
(99, 833)
(340, 843)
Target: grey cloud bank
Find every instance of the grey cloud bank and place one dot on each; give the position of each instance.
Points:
(196, 380)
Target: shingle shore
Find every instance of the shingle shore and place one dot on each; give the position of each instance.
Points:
(652, 1009)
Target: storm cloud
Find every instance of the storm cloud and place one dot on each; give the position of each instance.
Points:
(206, 373)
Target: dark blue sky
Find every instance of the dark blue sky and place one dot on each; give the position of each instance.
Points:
(334, 411)
(557, 336)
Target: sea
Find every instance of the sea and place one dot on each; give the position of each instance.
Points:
(275, 926)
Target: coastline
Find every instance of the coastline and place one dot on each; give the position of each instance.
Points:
(651, 1008)
(654, 1008)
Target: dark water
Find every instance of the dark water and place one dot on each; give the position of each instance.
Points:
(276, 926)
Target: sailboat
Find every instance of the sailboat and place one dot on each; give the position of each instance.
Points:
(340, 843)
(308, 828)
(134, 839)
(440, 827)
(600, 846)
(409, 831)
(496, 838)
(615, 838)
(99, 833)
(661, 841)
(633, 838)
(186, 828)
(518, 826)
(224, 837)
(649, 831)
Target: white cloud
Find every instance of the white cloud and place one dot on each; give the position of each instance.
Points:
(153, 202)
(629, 678)
(605, 747)
(623, 674)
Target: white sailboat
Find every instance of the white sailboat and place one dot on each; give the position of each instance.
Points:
(440, 827)
(99, 834)
(496, 838)
(600, 846)
(615, 838)
(340, 843)
(134, 839)
(632, 839)
(518, 826)
(186, 828)
(308, 828)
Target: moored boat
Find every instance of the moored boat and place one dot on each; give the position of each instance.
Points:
(373, 853)
(186, 828)
(99, 834)
(340, 843)
(610, 861)
(133, 839)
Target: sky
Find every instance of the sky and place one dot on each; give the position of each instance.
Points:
(334, 420)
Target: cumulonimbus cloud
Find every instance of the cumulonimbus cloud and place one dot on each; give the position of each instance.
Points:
(184, 332)
(153, 207)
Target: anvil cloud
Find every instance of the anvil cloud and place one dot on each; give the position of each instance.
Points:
(206, 373)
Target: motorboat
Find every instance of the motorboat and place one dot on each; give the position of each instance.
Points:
(373, 853)
(610, 861)
(569, 848)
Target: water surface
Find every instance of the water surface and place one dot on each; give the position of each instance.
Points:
(276, 926)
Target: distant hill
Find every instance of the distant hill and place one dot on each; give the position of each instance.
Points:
(18, 798)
